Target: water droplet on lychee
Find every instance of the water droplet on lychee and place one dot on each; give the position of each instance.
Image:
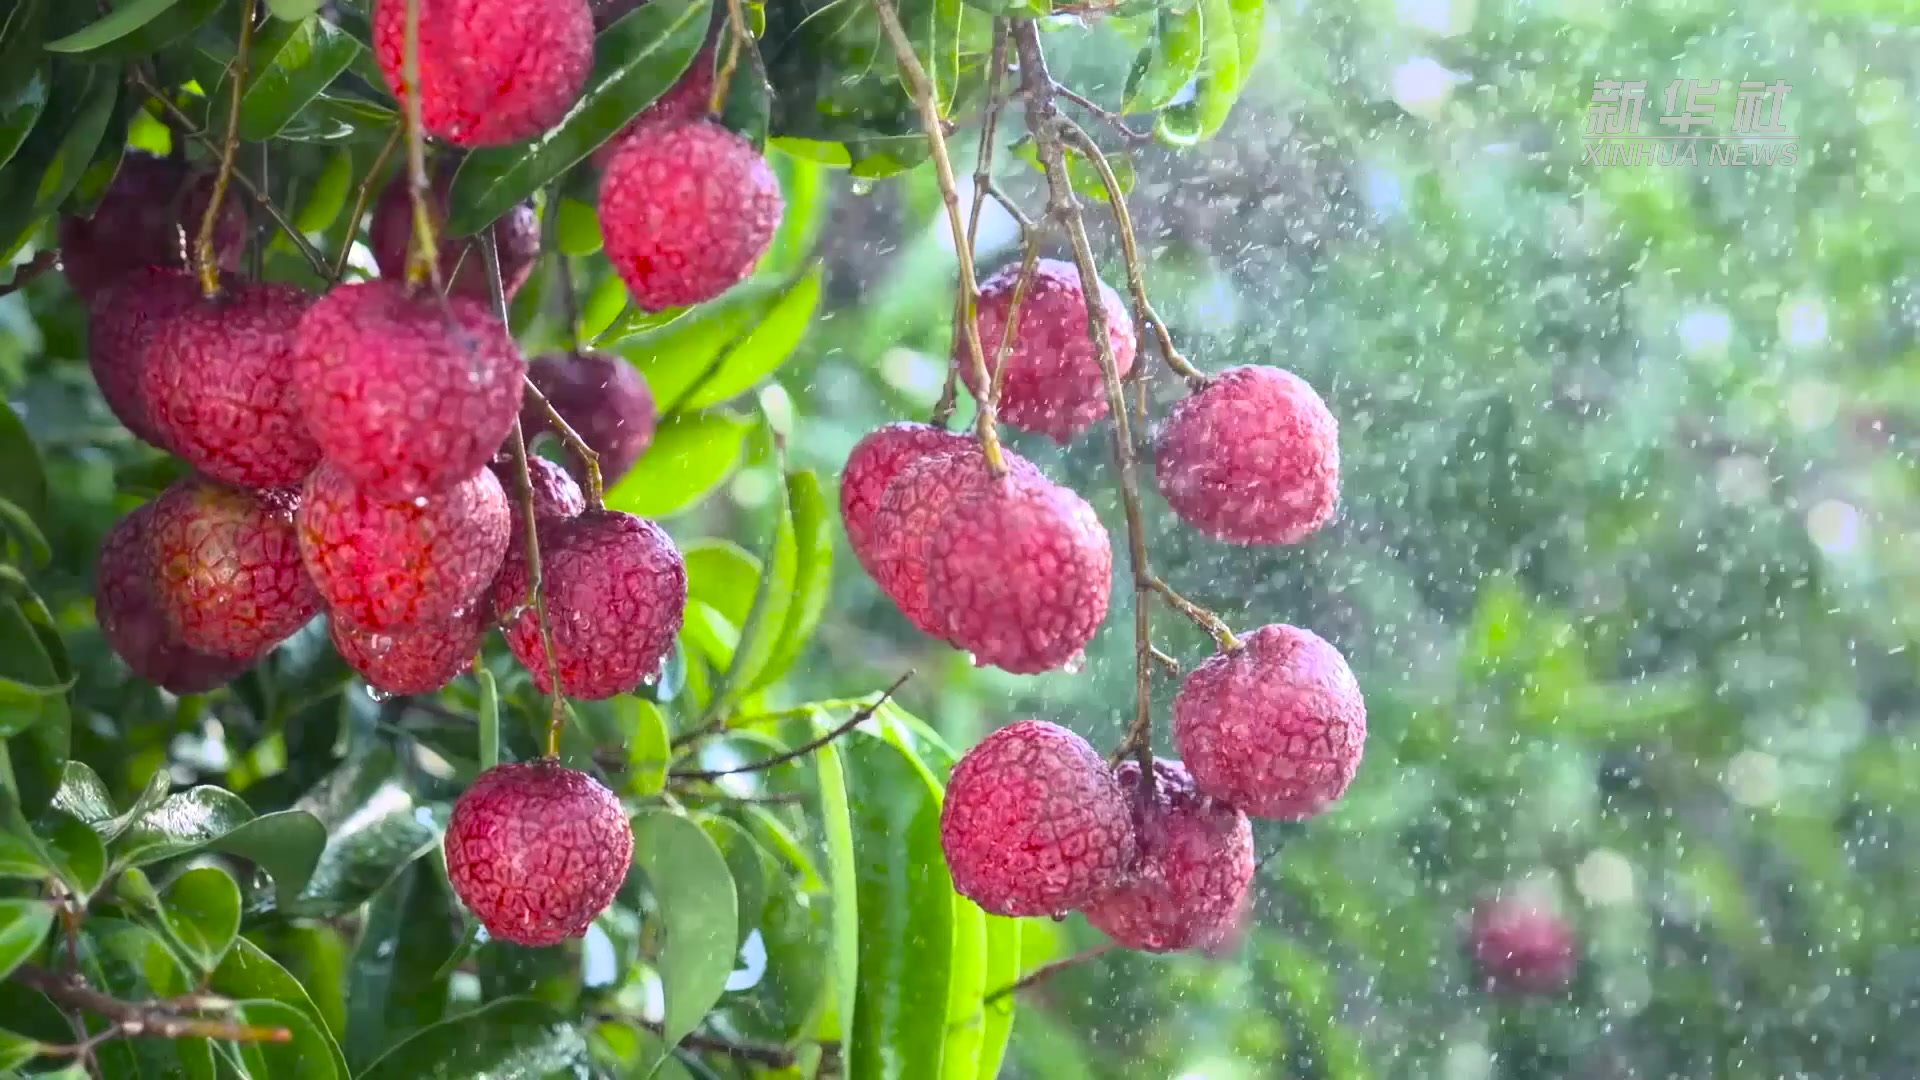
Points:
(377, 695)
(1076, 663)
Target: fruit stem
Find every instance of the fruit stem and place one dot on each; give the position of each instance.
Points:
(590, 461)
(360, 200)
(860, 716)
(423, 260)
(1214, 625)
(921, 89)
(1047, 971)
(229, 152)
(982, 180)
(736, 41)
(128, 1019)
(1106, 116)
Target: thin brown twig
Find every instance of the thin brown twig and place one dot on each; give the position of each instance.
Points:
(1171, 665)
(982, 177)
(737, 40)
(860, 716)
(1047, 971)
(1106, 116)
(1214, 625)
(423, 261)
(768, 1054)
(41, 262)
(589, 461)
(361, 198)
(229, 152)
(129, 1019)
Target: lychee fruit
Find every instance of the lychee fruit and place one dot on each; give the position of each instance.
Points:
(876, 460)
(419, 660)
(1275, 727)
(406, 394)
(555, 495)
(121, 321)
(516, 236)
(1189, 887)
(914, 506)
(219, 387)
(685, 102)
(604, 399)
(492, 72)
(1522, 946)
(1019, 574)
(616, 592)
(687, 211)
(1034, 822)
(1053, 385)
(132, 622)
(386, 566)
(1252, 459)
(226, 567)
(537, 850)
(149, 217)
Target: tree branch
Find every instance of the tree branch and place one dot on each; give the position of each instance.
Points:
(1214, 625)
(229, 150)
(1107, 116)
(863, 714)
(361, 198)
(153, 1019)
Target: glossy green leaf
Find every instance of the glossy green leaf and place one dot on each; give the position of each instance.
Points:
(751, 868)
(375, 827)
(678, 357)
(22, 30)
(150, 797)
(132, 963)
(21, 105)
(83, 795)
(1002, 969)
(293, 10)
(78, 855)
(124, 19)
(306, 62)
(30, 687)
(650, 749)
(202, 912)
(54, 156)
(249, 973)
(15, 524)
(577, 230)
(17, 1050)
(302, 1057)
(690, 456)
(286, 844)
(966, 987)
(395, 986)
(634, 61)
(698, 911)
(814, 526)
(723, 574)
(19, 859)
(23, 926)
(31, 763)
(328, 199)
(23, 481)
(1219, 79)
(843, 886)
(760, 635)
(515, 1037)
(1168, 63)
(180, 18)
(764, 348)
(489, 718)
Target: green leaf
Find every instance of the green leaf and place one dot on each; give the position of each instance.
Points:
(312, 55)
(514, 1037)
(814, 519)
(764, 348)
(678, 357)
(375, 828)
(690, 456)
(180, 18)
(286, 844)
(303, 1057)
(577, 230)
(78, 855)
(248, 973)
(23, 482)
(489, 718)
(843, 884)
(132, 963)
(58, 151)
(118, 23)
(650, 749)
(1220, 78)
(17, 1050)
(749, 865)
(698, 910)
(23, 927)
(22, 101)
(15, 523)
(395, 987)
(1002, 970)
(1168, 63)
(202, 912)
(723, 574)
(960, 1058)
(151, 796)
(293, 10)
(760, 634)
(83, 794)
(634, 61)
(30, 686)
(19, 859)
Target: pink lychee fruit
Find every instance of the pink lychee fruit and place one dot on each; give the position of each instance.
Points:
(537, 850)
(1275, 727)
(132, 622)
(226, 567)
(516, 236)
(1053, 385)
(121, 321)
(1189, 888)
(419, 660)
(1522, 946)
(492, 72)
(876, 460)
(149, 218)
(1034, 822)
(555, 495)
(1252, 459)
(915, 505)
(604, 399)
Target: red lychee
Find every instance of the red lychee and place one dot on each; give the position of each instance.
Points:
(1521, 946)
(121, 322)
(226, 567)
(1034, 822)
(133, 623)
(685, 102)
(555, 495)
(1275, 727)
(536, 850)
(616, 592)
(386, 566)
(687, 211)
(516, 236)
(1189, 889)
(1053, 386)
(416, 661)
(407, 396)
(492, 72)
(1252, 459)
(1019, 574)
(604, 399)
(915, 505)
(876, 460)
(149, 217)
(219, 387)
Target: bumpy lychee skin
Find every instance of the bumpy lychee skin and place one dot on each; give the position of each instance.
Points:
(1275, 727)
(226, 567)
(1053, 385)
(133, 623)
(1252, 459)
(876, 460)
(687, 211)
(616, 592)
(149, 217)
(604, 399)
(492, 71)
(686, 101)
(387, 566)
(555, 495)
(914, 506)
(1522, 947)
(1019, 574)
(121, 321)
(1034, 823)
(516, 236)
(416, 661)
(536, 851)
(219, 387)
(1189, 888)
(405, 396)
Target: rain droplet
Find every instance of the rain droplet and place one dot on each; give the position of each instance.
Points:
(378, 695)
(1076, 663)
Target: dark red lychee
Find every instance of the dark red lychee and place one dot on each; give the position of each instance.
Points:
(555, 495)
(1019, 574)
(149, 217)
(226, 567)
(1053, 386)
(405, 395)
(133, 624)
(604, 399)
(687, 211)
(685, 102)
(386, 566)
(1522, 946)
(913, 507)
(608, 12)
(616, 592)
(1034, 822)
(1275, 727)
(416, 661)
(536, 850)
(1252, 459)
(876, 460)
(1189, 888)
(121, 321)
(492, 72)
(516, 236)
(218, 383)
